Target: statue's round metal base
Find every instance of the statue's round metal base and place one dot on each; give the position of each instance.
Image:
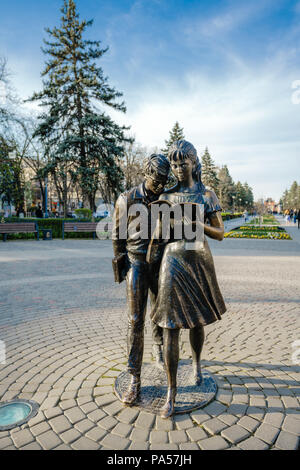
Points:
(154, 388)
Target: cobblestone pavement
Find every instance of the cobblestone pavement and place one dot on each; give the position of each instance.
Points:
(63, 321)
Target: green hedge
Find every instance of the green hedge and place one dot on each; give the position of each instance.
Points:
(236, 215)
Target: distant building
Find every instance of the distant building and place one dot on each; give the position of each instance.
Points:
(272, 206)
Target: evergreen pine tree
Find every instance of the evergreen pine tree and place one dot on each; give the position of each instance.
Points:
(83, 142)
(240, 196)
(249, 199)
(209, 172)
(225, 188)
(294, 195)
(175, 134)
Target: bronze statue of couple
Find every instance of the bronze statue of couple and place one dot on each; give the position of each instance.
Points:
(182, 283)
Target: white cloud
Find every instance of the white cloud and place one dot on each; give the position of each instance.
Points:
(248, 123)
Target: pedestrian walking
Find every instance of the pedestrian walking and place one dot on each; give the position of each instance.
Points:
(295, 216)
(39, 212)
(287, 217)
(298, 218)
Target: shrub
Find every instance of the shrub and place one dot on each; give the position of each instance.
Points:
(84, 213)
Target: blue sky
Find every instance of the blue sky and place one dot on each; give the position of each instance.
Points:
(223, 69)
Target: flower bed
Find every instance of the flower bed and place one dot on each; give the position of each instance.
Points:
(269, 233)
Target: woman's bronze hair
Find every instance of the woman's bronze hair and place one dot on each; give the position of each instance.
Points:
(181, 150)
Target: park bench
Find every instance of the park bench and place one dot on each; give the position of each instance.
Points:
(79, 227)
(22, 227)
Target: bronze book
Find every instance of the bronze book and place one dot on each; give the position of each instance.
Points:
(120, 265)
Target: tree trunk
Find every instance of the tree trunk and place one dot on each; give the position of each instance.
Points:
(65, 196)
(92, 202)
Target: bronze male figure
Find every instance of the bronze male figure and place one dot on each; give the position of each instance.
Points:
(130, 250)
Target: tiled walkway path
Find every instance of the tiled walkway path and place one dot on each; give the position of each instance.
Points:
(63, 321)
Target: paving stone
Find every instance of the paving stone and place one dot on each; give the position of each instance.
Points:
(102, 390)
(159, 437)
(287, 441)
(188, 446)
(96, 434)
(273, 418)
(176, 437)
(105, 399)
(145, 420)
(52, 412)
(164, 424)
(113, 408)
(228, 418)
(267, 433)
(138, 434)
(70, 436)
(5, 442)
(214, 426)
(122, 429)
(50, 402)
(39, 418)
(39, 428)
(249, 423)
(237, 409)
(196, 434)
(67, 404)
(182, 421)
(49, 440)
(224, 396)
(32, 446)
(21, 438)
(213, 443)
(170, 446)
(128, 415)
(199, 416)
(88, 407)
(215, 408)
(114, 442)
(107, 423)
(276, 404)
(83, 443)
(256, 413)
(291, 425)
(60, 424)
(139, 445)
(74, 415)
(235, 433)
(253, 444)
(259, 402)
(63, 447)
(84, 425)
(290, 402)
(96, 415)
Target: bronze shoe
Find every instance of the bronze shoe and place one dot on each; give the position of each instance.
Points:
(131, 395)
(168, 409)
(198, 379)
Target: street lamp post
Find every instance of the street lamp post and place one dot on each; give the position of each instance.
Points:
(46, 197)
(11, 156)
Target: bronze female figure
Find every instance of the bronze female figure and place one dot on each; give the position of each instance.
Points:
(188, 295)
